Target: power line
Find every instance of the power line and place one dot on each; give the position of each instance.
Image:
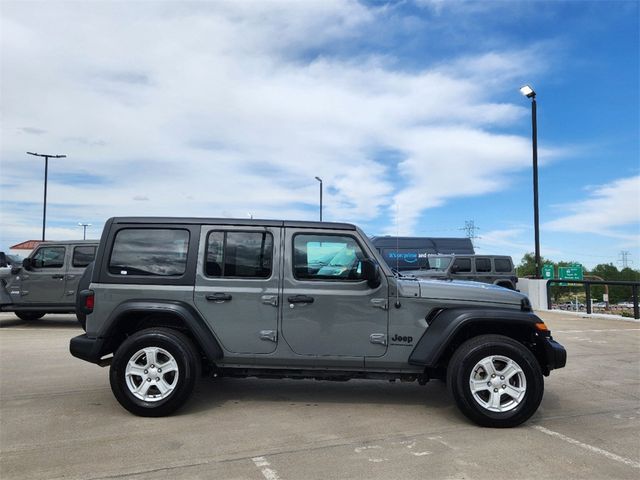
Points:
(470, 230)
(624, 258)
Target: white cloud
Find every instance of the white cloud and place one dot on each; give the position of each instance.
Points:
(217, 109)
(610, 210)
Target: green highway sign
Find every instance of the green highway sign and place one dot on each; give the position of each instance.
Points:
(570, 273)
(548, 272)
(573, 272)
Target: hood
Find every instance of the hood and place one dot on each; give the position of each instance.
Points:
(462, 290)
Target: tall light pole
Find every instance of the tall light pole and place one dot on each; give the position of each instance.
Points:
(320, 180)
(84, 229)
(46, 170)
(528, 92)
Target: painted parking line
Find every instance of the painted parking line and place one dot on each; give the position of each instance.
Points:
(586, 446)
(599, 331)
(265, 468)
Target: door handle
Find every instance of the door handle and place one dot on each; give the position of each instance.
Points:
(218, 297)
(300, 299)
(57, 277)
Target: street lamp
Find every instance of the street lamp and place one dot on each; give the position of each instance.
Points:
(528, 92)
(320, 180)
(84, 229)
(46, 169)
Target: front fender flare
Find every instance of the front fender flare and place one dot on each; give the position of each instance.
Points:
(448, 323)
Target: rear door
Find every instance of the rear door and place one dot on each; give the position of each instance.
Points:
(328, 308)
(237, 286)
(45, 282)
(81, 256)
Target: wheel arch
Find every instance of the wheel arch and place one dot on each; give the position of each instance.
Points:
(132, 316)
(452, 327)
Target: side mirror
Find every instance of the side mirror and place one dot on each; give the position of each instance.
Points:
(27, 264)
(371, 273)
(454, 268)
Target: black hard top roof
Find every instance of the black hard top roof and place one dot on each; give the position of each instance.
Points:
(233, 221)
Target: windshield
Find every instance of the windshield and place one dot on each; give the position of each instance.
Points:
(439, 263)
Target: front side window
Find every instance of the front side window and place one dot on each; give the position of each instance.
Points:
(83, 256)
(49, 257)
(483, 265)
(327, 257)
(239, 254)
(439, 263)
(149, 251)
(462, 265)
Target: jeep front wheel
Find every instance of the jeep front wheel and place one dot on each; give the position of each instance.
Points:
(495, 381)
(154, 372)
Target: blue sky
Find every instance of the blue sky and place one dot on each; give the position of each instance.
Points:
(409, 111)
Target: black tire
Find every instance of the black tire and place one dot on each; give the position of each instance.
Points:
(29, 316)
(186, 356)
(462, 365)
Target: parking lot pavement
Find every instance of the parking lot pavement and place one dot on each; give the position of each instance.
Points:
(58, 419)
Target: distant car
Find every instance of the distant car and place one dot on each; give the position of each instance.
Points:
(625, 304)
(46, 281)
(495, 269)
(600, 305)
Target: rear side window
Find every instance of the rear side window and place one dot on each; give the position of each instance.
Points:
(83, 256)
(149, 251)
(49, 257)
(483, 265)
(463, 264)
(239, 254)
(503, 265)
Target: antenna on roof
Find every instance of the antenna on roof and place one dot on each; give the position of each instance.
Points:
(397, 304)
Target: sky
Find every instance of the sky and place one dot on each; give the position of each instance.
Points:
(409, 111)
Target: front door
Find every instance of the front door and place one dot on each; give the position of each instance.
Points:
(328, 308)
(44, 283)
(237, 286)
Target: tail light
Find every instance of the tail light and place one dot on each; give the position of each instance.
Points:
(87, 301)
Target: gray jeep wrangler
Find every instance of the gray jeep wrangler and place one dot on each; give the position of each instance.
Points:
(494, 269)
(48, 279)
(169, 297)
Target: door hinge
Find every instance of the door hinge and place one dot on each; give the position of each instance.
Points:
(379, 303)
(269, 335)
(270, 300)
(378, 338)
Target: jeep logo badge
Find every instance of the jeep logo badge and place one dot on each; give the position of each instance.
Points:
(400, 339)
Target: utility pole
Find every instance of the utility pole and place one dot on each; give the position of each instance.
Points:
(624, 258)
(84, 229)
(470, 230)
(46, 170)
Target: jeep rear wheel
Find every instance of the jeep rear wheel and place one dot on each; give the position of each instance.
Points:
(495, 381)
(154, 372)
(29, 316)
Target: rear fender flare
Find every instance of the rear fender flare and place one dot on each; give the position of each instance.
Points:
(202, 334)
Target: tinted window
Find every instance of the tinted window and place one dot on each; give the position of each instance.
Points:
(327, 257)
(49, 257)
(149, 251)
(483, 265)
(502, 265)
(239, 254)
(83, 256)
(463, 264)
